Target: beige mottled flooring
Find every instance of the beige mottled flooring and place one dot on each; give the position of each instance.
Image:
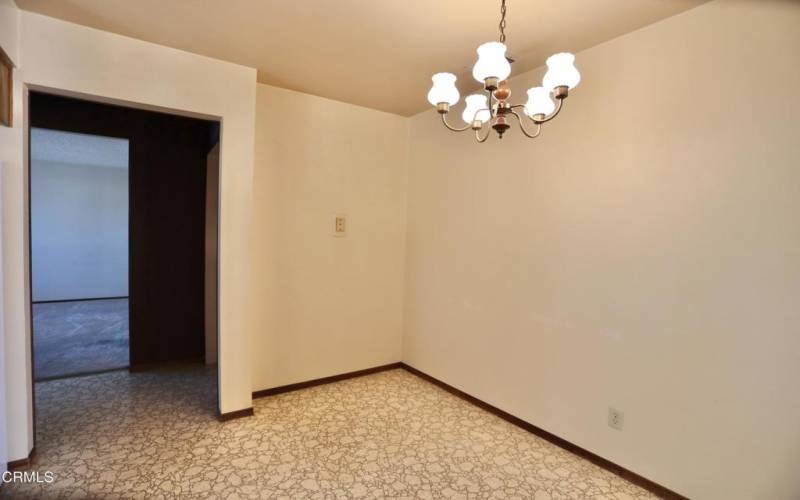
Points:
(387, 435)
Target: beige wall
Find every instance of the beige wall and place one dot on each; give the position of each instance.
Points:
(324, 305)
(18, 433)
(644, 254)
(83, 61)
(10, 159)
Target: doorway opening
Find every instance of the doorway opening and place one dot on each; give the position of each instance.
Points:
(79, 253)
(123, 206)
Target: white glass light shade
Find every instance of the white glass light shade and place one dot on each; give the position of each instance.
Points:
(492, 62)
(561, 70)
(539, 102)
(444, 89)
(476, 102)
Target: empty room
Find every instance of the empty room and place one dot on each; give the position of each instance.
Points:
(473, 249)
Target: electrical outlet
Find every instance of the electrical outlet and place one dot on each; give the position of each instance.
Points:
(615, 419)
(340, 225)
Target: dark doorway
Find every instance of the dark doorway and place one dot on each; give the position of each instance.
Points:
(168, 162)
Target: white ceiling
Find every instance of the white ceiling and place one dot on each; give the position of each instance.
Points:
(377, 53)
(78, 149)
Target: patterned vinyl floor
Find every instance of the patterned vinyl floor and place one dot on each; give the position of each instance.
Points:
(387, 435)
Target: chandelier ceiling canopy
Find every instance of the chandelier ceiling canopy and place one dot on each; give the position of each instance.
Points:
(492, 70)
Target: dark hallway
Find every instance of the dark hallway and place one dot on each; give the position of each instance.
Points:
(157, 315)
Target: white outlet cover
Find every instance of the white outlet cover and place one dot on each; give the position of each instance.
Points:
(616, 419)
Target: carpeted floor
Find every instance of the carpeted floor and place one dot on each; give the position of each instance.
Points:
(387, 435)
(79, 336)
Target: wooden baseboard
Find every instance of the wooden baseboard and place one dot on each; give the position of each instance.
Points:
(610, 466)
(22, 463)
(224, 417)
(325, 380)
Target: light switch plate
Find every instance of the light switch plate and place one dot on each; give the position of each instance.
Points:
(340, 225)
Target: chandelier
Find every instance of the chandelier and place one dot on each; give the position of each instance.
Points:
(491, 70)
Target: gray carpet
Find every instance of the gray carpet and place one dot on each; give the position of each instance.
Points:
(70, 338)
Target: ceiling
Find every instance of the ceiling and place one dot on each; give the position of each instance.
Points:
(374, 53)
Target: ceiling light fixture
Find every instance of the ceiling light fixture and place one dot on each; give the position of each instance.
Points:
(492, 69)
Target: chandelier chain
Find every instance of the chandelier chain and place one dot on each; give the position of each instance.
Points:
(502, 21)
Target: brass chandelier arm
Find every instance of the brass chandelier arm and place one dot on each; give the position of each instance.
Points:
(450, 127)
(524, 130)
(475, 116)
(551, 115)
(478, 135)
(462, 129)
(544, 119)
